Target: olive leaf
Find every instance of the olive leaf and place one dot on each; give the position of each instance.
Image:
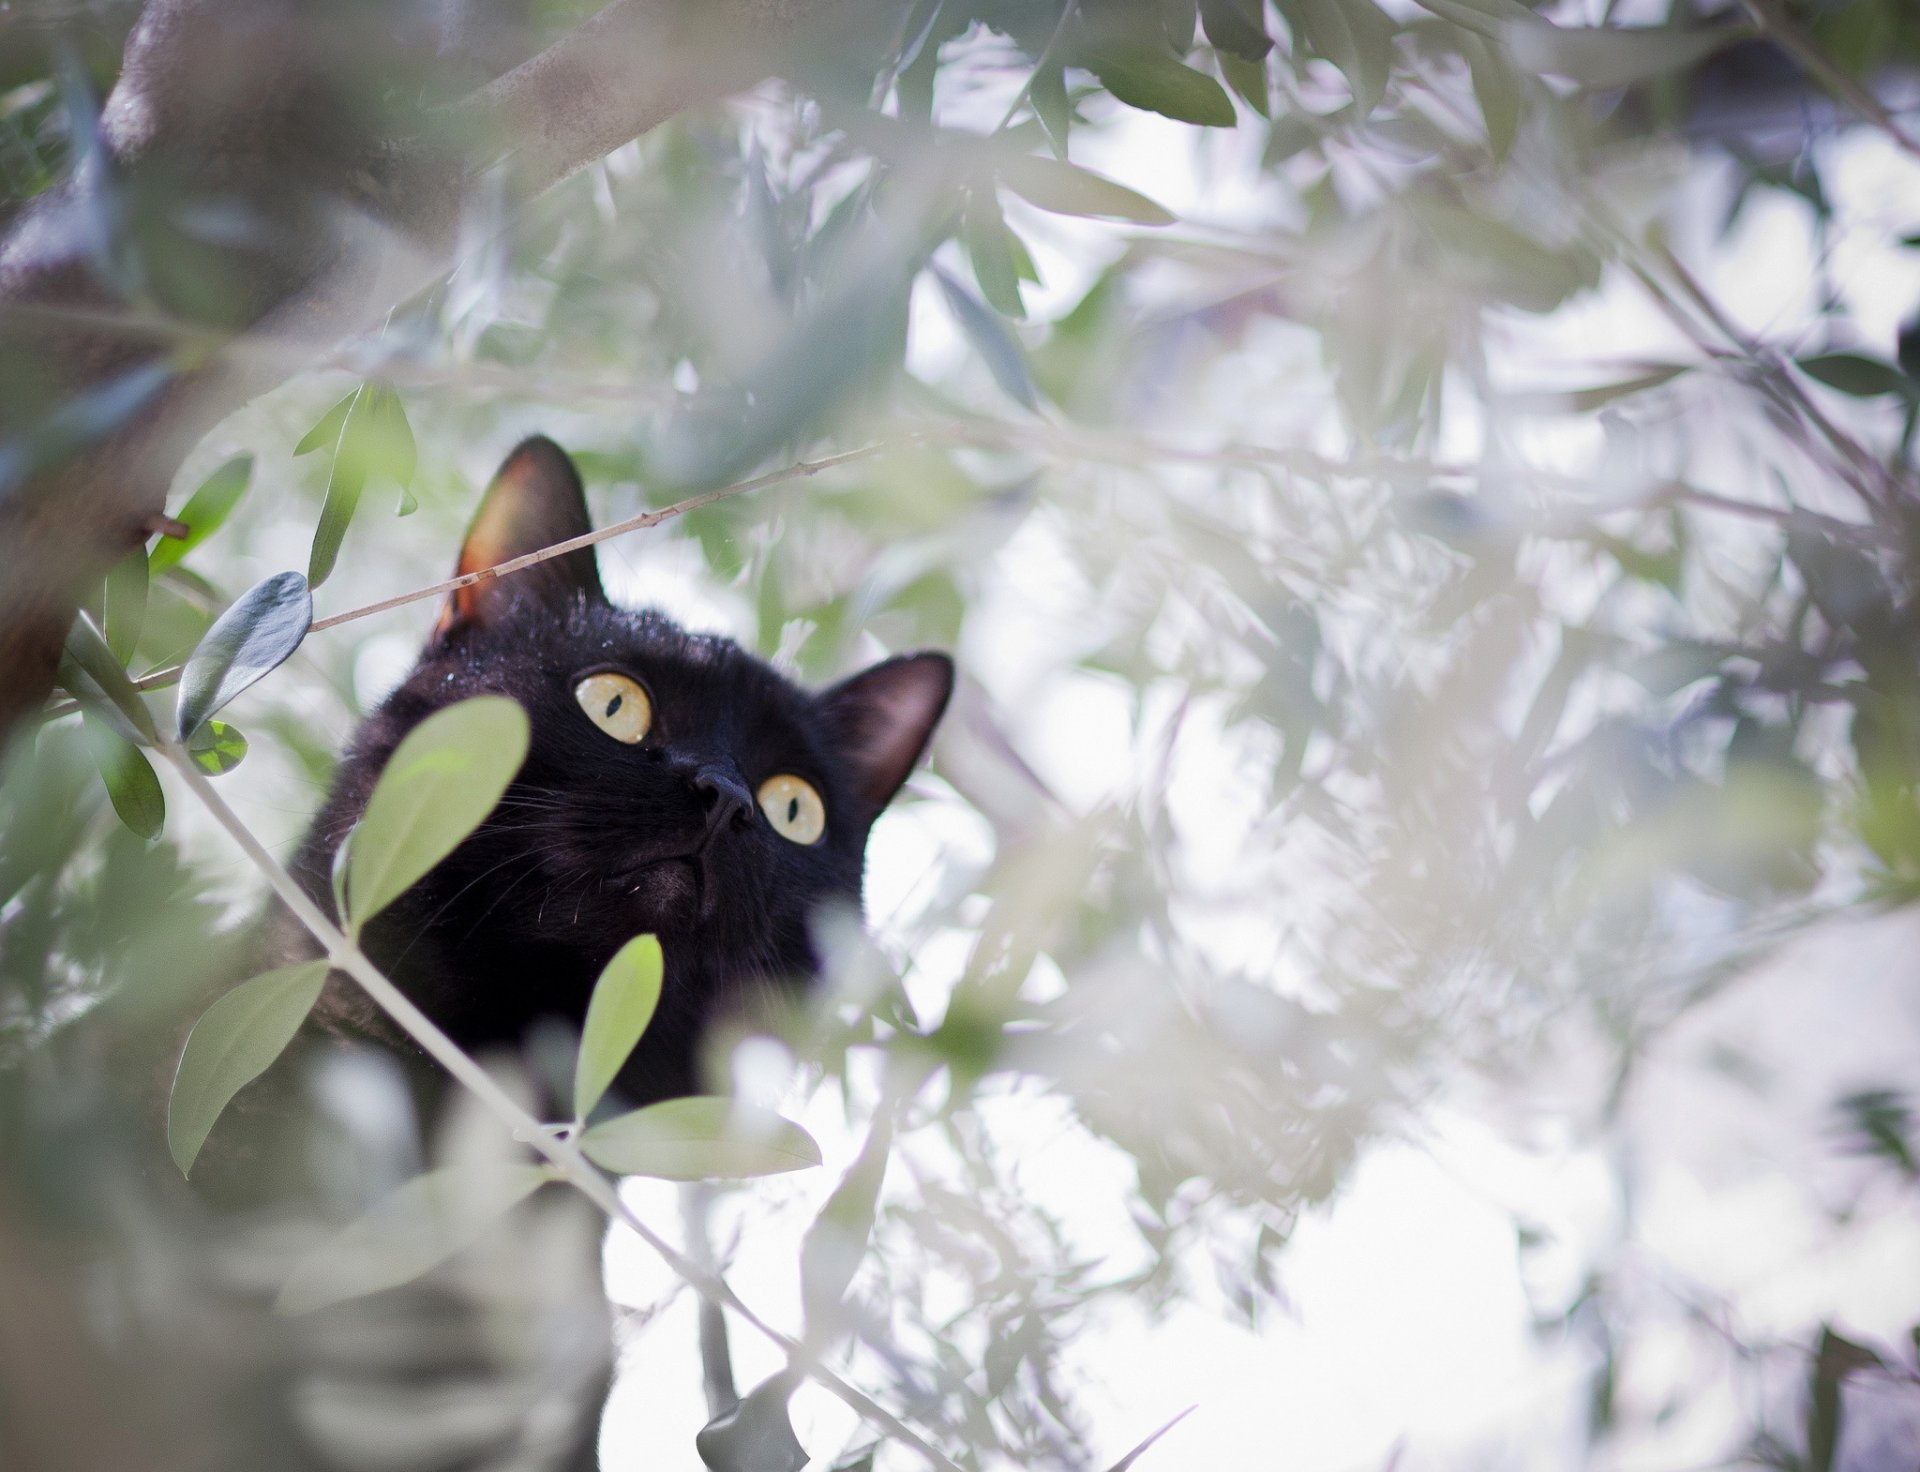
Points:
(991, 339)
(206, 509)
(617, 1015)
(757, 1434)
(1855, 374)
(417, 1227)
(437, 787)
(123, 608)
(263, 626)
(698, 1138)
(1154, 82)
(132, 786)
(1067, 189)
(87, 649)
(370, 436)
(836, 1243)
(216, 748)
(231, 1045)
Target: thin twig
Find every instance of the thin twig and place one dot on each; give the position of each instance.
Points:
(560, 1150)
(799, 470)
(1779, 28)
(154, 680)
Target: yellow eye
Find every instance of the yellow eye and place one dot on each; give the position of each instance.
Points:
(617, 705)
(794, 809)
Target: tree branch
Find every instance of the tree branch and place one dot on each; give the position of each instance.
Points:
(256, 107)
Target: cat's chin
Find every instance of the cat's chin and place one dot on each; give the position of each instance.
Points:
(669, 891)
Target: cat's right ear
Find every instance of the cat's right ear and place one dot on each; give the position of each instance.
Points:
(535, 501)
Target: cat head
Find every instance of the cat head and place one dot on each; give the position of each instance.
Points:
(674, 782)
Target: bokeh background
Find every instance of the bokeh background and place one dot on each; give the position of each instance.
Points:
(1410, 905)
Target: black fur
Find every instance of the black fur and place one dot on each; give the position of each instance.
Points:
(597, 841)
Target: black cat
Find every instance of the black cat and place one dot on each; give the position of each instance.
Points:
(675, 784)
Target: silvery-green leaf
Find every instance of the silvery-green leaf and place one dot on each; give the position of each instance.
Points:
(124, 607)
(700, 1138)
(231, 1045)
(87, 648)
(415, 1228)
(264, 625)
(617, 1015)
(1067, 189)
(836, 1243)
(1855, 374)
(756, 1435)
(1236, 28)
(206, 509)
(1615, 56)
(437, 787)
(1154, 82)
(991, 339)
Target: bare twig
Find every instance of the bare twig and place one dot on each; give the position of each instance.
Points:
(1778, 27)
(560, 1150)
(799, 470)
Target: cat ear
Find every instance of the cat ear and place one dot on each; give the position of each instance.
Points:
(535, 500)
(884, 717)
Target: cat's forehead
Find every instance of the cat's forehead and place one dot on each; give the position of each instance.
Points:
(684, 662)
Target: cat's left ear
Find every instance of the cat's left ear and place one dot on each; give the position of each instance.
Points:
(884, 717)
(535, 501)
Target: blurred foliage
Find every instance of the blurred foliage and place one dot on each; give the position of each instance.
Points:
(1428, 615)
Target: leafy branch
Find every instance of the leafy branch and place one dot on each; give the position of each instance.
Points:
(563, 1153)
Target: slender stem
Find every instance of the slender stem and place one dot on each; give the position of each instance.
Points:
(560, 1151)
(799, 470)
(1775, 24)
(1039, 65)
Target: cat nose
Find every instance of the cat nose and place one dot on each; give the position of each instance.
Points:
(725, 798)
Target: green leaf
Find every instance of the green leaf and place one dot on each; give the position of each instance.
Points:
(836, 1243)
(123, 608)
(372, 439)
(391, 447)
(327, 432)
(263, 626)
(1068, 189)
(1236, 28)
(1605, 57)
(345, 482)
(131, 783)
(87, 648)
(437, 787)
(1248, 80)
(697, 1138)
(216, 748)
(1050, 105)
(1352, 34)
(1154, 82)
(416, 1228)
(984, 229)
(205, 511)
(756, 1435)
(1496, 87)
(991, 339)
(617, 1015)
(1855, 374)
(231, 1045)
